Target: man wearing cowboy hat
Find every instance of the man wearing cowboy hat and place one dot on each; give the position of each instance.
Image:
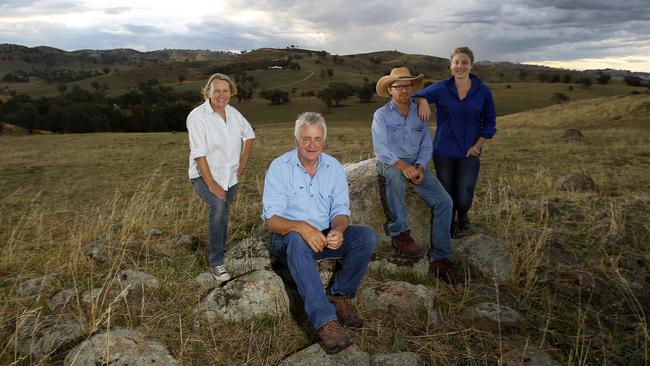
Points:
(403, 147)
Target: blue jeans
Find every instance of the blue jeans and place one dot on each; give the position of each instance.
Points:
(458, 176)
(217, 219)
(355, 252)
(433, 194)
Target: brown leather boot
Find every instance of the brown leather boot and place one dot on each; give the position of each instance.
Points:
(332, 337)
(405, 244)
(445, 272)
(345, 312)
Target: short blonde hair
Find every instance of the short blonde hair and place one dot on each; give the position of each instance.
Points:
(464, 50)
(208, 85)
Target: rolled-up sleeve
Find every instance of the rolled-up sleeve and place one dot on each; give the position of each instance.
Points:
(488, 116)
(197, 136)
(340, 196)
(274, 198)
(380, 139)
(247, 132)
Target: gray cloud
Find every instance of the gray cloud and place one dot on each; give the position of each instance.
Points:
(510, 30)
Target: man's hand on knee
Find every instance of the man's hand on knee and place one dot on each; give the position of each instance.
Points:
(334, 239)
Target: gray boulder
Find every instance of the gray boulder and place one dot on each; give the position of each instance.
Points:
(528, 356)
(314, 355)
(119, 347)
(366, 189)
(492, 317)
(41, 337)
(61, 299)
(576, 182)
(36, 286)
(250, 254)
(254, 294)
(394, 359)
(488, 256)
(399, 296)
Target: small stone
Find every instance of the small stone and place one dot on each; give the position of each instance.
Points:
(187, 241)
(36, 286)
(152, 232)
(576, 182)
(97, 250)
(528, 356)
(572, 134)
(131, 278)
(61, 299)
(91, 296)
(492, 317)
(206, 281)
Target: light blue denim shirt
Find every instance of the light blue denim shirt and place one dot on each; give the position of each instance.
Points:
(397, 138)
(291, 193)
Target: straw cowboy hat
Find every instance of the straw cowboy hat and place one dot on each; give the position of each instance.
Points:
(398, 73)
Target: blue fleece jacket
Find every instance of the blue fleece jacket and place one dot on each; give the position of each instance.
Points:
(459, 123)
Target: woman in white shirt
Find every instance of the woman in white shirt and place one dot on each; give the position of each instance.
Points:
(217, 159)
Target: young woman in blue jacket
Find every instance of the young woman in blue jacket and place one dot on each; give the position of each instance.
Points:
(465, 120)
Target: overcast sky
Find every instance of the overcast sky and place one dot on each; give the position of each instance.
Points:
(576, 34)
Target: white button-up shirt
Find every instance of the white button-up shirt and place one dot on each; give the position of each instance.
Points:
(218, 141)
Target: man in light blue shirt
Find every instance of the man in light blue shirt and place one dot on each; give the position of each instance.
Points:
(403, 147)
(307, 208)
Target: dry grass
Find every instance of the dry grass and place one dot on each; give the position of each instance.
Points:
(574, 289)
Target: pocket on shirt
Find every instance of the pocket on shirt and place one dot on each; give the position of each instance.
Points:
(324, 201)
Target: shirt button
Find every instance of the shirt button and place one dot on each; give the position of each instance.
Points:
(312, 195)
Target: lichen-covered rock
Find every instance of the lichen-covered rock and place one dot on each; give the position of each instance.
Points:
(61, 299)
(250, 254)
(575, 182)
(130, 278)
(402, 297)
(254, 294)
(488, 256)
(206, 281)
(314, 355)
(394, 359)
(398, 264)
(36, 286)
(492, 317)
(366, 188)
(119, 347)
(41, 337)
(528, 356)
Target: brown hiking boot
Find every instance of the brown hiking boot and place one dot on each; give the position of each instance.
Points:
(405, 244)
(345, 312)
(332, 337)
(445, 272)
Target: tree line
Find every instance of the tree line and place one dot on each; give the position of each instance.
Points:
(150, 107)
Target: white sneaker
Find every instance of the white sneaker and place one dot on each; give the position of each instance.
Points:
(220, 274)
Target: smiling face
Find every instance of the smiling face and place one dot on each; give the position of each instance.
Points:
(461, 65)
(400, 91)
(310, 143)
(219, 94)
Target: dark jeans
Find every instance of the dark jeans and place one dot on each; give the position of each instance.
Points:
(217, 219)
(355, 252)
(458, 176)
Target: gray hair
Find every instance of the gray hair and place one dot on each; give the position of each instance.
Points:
(311, 119)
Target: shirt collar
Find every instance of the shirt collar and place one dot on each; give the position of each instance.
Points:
(293, 160)
(393, 107)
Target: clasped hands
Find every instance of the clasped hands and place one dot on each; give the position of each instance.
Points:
(318, 242)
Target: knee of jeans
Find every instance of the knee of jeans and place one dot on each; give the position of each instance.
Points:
(297, 246)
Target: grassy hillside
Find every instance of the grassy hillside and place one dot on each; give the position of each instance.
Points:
(581, 258)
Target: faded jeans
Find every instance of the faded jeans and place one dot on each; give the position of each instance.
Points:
(433, 194)
(355, 252)
(217, 219)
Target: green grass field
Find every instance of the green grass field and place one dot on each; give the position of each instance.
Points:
(577, 292)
